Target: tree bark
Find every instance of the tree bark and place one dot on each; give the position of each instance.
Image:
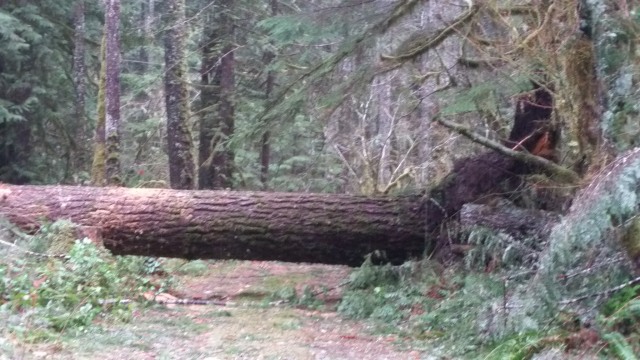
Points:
(223, 159)
(209, 100)
(296, 227)
(216, 159)
(265, 141)
(99, 140)
(299, 227)
(180, 144)
(112, 96)
(223, 156)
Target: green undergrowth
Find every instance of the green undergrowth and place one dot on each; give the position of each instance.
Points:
(620, 321)
(465, 312)
(43, 296)
(426, 303)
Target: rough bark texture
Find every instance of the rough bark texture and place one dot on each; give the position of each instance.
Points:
(297, 227)
(328, 228)
(181, 165)
(112, 98)
(223, 156)
(99, 140)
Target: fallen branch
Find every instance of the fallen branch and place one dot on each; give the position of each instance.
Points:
(560, 172)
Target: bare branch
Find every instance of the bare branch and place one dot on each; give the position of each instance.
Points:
(421, 41)
(606, 292)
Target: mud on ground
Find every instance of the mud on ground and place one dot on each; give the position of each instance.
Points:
(251, 325)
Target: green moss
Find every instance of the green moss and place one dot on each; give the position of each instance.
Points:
(618, 67)
(98, 165)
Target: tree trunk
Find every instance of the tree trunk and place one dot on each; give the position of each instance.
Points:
(209, 100)
(223, 156)
(265, 141)
(146, 33)
(79, 84)
(328, 228)
(218, 109)
(112, 98)
(180, 144)
(99, 142)
(297, 227)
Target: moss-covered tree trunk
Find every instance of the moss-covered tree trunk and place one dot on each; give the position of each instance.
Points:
(99, 143)
(296, 227)
(112, 94)
(180, 144)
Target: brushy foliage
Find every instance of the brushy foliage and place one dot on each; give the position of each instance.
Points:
(451, 309)
(42, 296)
(620, 320)
(464, 312)
(584, 250)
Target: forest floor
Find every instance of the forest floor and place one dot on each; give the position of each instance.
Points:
(248, 322)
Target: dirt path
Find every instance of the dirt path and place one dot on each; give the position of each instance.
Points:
(247, 328)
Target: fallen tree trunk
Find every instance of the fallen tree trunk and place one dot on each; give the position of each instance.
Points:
(296, 227)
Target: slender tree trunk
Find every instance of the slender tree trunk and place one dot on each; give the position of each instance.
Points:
(209, 99)
(265, 146)
(147, 9)
(216, 159)
(384, 129)
(223, 160)
(181, 165)
(79, 68)
(112, 99)
(99, 141)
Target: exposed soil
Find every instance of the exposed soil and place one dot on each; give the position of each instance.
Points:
(250, 326)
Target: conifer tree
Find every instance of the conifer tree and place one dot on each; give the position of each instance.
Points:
(112, 94)
(180, 145)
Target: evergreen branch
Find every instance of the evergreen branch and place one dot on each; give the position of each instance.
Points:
(553, 168)
(401, 9)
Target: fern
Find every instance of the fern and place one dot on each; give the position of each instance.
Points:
(619, 346)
